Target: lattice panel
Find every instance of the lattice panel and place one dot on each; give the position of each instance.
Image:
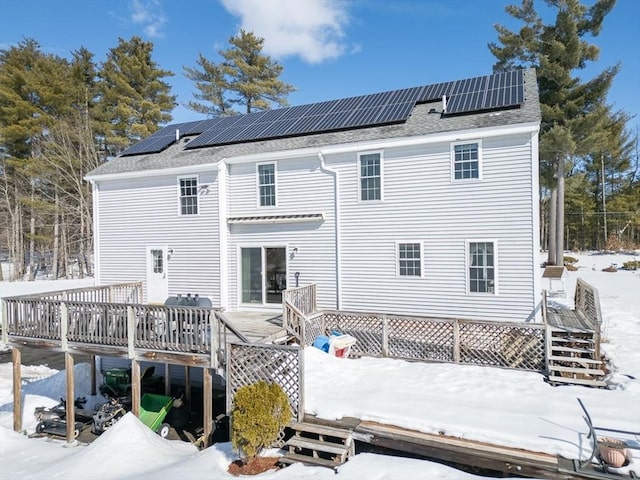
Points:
(420, 339)
(279, 364)
(366, 328)
(313, 327)
(502, 345)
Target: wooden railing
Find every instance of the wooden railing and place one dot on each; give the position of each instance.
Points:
(116, 293)
(587, 302)
(127, 326)
(296, 304)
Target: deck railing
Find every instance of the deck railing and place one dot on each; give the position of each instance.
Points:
(475, 342)
(297, 303)
(128, 326)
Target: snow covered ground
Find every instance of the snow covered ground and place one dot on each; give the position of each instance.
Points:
(505, 407)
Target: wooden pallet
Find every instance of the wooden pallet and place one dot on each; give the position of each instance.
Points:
(314, 444)
(571, 358)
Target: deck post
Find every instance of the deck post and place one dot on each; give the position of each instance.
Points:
(187, 384)
(93, 374)
(167, 380)
(64, 327)
(385, 335)
(135, 387)
(16, 356)
(456, 341)
(70, 411)
(207, 405)
(131, 332)
(213, 338)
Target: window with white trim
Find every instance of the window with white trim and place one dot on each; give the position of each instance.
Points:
(466, 161)
(267, 184)
(482, 270)
(409, 259)
(370, 173)
(188, 195)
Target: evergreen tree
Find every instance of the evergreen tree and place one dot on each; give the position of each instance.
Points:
(133, 97)
(246, 79)
(571, 108)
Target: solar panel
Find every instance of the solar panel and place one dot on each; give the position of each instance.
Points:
(500, 90)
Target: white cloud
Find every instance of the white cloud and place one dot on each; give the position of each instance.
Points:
(150, 15)
(310, 29)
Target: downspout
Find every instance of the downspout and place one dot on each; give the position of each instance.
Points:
(336, 200)
(95, 189)
(222, 233)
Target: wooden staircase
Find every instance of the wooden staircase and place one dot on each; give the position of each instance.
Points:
(572, 358)
(314, 444)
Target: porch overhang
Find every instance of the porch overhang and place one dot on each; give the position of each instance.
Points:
(262, 219)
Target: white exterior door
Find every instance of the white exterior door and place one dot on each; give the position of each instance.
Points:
(157, 275)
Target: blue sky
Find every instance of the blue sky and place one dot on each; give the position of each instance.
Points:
(329, 48)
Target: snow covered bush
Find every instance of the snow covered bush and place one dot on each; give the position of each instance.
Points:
(260, 411)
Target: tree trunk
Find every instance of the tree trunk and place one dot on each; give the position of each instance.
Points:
(551, 234)
(559, 238)
(32, 238)
(56, 238)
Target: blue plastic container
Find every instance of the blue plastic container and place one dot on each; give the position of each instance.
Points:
(322, 342)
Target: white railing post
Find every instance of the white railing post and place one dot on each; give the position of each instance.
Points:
(64, 326)
(4, 321)
(213, 339)
(131, 331)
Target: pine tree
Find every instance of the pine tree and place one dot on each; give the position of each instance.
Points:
(246, 78)
(133, 98)
(571, 108)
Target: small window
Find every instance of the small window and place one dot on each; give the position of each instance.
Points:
(482, 267)
(409, 260)
(188, 196)
(158, 261)
(370, 176)
(466, 161)
(267, 184)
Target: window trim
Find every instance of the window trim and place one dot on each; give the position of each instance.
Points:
(275, 184)
(452, 150)
(496, 282)
(359, 167)
(420, 260)
(179, 179)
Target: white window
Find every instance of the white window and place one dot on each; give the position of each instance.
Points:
(482, 267)
(370, 173)
(466, 160)
(267, 184)
(188, 187)
(409, 259)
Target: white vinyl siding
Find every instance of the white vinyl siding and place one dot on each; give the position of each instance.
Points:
(466, 160)
(188, 190)
(267, 184)
(370, 170)
(137, 213)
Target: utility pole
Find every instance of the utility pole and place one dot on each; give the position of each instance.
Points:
(604, 201)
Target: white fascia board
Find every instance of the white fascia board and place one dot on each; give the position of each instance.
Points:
(455, 135)
(186, 170)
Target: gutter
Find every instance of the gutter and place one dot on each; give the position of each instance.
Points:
(336, 193)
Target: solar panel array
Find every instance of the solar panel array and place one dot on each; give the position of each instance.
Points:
(500, 90)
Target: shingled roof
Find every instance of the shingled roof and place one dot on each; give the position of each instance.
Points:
(423, 118)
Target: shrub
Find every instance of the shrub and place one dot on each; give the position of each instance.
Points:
(260, 411)
(568, 260)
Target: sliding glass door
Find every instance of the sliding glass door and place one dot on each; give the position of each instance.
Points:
(259, 288)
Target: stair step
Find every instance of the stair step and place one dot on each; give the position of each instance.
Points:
(583, 361)
(317, 445)
(297, 458)
(585, 371)
(587, 341)
(320, 430)
(559, 348)
(577, 381)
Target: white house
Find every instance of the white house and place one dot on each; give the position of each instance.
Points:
(418, 201)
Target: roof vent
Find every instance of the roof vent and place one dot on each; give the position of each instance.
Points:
(444, 104)
(177, 134)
